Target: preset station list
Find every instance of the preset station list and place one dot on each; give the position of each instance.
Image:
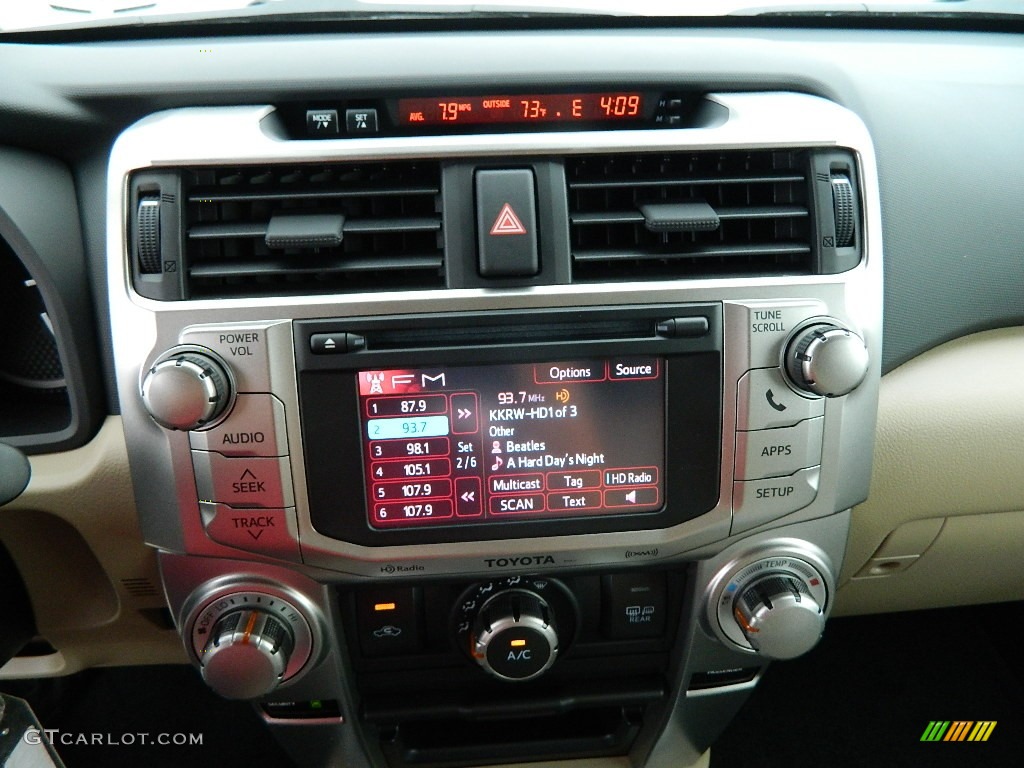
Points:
(463, 444)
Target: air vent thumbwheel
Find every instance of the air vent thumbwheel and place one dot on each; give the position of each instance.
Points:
(842, 205)
(147, 244)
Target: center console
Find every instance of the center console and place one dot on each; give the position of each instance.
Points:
(507, 441)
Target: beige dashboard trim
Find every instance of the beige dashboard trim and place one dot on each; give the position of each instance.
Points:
(93, 582)
(949, 446)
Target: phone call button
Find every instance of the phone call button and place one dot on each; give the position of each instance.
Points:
(765, 402)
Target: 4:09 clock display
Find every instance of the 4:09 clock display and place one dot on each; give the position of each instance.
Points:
(452, 111)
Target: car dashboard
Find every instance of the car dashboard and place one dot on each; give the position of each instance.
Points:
(465, 397)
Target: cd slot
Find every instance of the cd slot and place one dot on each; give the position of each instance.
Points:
(495, 335)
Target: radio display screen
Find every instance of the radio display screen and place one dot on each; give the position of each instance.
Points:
(464, 444)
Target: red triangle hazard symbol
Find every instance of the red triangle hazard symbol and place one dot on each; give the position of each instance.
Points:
(507, 222)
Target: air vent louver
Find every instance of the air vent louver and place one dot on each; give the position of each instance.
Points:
(622, 225)
(384, 221)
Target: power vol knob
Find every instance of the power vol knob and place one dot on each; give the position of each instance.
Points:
(186, 390)
(826, 360)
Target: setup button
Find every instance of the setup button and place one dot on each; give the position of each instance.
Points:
(756, 502)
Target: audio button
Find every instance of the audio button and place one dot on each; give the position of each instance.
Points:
(255, 427)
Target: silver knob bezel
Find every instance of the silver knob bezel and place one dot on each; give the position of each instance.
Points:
(793, 557)
(803, 387)
(486, 635)
(217, 360)
(209, 603)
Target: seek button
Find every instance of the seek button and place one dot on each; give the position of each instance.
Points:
(243, 482)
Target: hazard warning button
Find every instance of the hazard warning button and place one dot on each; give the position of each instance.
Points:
(506, 223)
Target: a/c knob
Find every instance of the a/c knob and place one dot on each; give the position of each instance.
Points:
(186, 390)
(827, 360)
(515, 637)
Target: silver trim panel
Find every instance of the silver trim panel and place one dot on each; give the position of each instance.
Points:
(161, 462)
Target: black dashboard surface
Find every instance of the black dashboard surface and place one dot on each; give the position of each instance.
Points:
(945, 109)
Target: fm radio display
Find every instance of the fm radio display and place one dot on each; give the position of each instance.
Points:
(451, 445)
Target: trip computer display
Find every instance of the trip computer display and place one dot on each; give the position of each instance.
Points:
(463, 444)
(523, 108)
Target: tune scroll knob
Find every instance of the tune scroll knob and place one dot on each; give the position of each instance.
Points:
(247, 654)
(186, 390)
(779, 617)
(514, 635)
(827, 360)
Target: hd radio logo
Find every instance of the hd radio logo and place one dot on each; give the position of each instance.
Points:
(958, 730)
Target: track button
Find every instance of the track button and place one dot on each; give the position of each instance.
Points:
(266, 531)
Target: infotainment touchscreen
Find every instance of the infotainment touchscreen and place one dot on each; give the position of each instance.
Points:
(462, 444)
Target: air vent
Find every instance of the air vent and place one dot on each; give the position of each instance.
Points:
(312, 229)
(693, 214)
(140, 587)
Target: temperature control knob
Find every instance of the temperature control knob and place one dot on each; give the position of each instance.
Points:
(186, 390)
(247, 654)
(514, 635)
(826, 360)
(779, 617)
